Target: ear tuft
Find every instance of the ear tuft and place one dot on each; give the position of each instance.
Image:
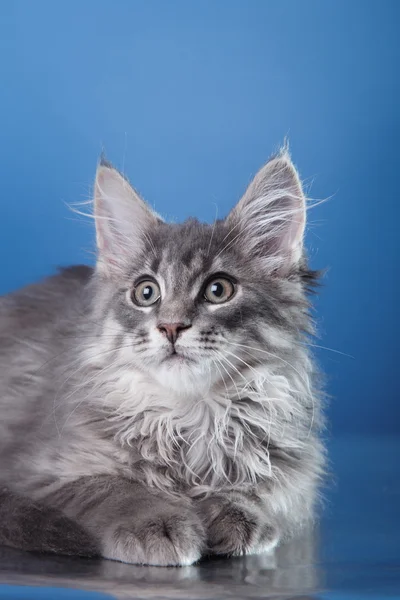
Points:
(122, 218)
(270, 218)
(104, 162)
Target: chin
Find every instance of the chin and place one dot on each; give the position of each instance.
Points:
(183, 376)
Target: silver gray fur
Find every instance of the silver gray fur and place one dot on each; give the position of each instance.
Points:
(163, 453)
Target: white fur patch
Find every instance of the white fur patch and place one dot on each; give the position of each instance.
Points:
(189, 429)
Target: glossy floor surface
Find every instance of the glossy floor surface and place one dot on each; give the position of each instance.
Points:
(352, 555)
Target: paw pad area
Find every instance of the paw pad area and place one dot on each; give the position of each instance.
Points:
(164, 540)
(233, 530)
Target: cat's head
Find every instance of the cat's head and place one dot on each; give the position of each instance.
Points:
(196, 304)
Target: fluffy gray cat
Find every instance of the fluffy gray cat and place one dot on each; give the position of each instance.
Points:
(163, 406)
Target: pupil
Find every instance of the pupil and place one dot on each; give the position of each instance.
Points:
(147, 292)
(217, 289)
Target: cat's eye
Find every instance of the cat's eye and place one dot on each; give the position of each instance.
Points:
(219, 290)
(146, 293)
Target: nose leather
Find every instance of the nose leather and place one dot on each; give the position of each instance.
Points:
(172, 330)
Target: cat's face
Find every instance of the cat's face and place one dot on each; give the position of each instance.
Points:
(196, 304)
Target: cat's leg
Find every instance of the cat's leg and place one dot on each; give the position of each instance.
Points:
(31, 526)
(132, 523)
(238, 523)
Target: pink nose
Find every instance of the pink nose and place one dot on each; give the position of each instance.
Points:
(172, 330)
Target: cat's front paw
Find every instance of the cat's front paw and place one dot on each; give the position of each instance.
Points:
(235, 528)
(166, 538)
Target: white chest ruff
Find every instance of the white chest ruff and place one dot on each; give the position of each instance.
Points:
(204, 443)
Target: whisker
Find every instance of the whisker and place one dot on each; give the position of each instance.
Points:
(325, 348)
(85, 382)
(310, 394)
(227, 372)
(274, 356)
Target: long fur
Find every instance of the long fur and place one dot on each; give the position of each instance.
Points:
(158, 453)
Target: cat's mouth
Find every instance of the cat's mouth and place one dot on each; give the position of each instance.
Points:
(175, 357)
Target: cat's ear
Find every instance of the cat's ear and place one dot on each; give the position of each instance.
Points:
(122, 218)
(269, 220)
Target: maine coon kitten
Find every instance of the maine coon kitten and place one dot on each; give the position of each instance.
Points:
(162, 406)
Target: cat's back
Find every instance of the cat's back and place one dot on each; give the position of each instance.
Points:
(37, 323)
(43, 305)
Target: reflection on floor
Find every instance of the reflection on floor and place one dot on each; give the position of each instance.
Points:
(353, 554)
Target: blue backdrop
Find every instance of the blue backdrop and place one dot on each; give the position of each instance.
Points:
(189, 98)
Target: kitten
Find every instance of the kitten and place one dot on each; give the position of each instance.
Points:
(162, 406)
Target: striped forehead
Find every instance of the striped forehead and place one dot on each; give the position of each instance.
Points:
(183, 271)
(185, 255)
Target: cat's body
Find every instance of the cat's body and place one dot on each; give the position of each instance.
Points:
(186, 425)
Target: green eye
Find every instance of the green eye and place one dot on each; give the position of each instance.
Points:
(146, 293)
(219, 290)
